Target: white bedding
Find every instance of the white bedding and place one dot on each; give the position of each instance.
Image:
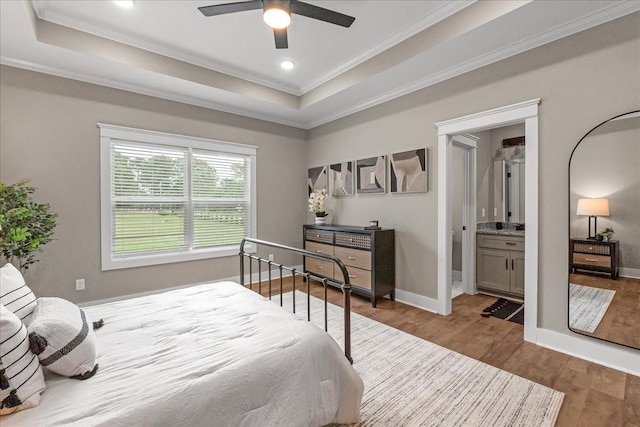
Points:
(208, 355)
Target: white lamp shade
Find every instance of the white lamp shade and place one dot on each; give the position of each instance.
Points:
(593, 207)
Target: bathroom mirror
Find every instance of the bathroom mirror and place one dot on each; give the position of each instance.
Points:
(508, 190)
(604, 232)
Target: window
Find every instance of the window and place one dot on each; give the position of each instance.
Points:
(169, 198)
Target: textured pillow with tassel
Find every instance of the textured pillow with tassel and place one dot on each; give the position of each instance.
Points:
(21, 379)
(61, 334)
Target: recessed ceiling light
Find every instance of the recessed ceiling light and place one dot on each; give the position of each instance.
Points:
(287, 64)
(124, 3)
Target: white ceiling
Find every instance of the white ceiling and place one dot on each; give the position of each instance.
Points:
(170, 50)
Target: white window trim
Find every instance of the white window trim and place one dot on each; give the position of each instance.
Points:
(107, 134)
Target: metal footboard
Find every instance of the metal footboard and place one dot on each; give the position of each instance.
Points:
(344, 284)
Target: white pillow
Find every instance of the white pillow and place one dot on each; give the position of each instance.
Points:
(15, 295)
(21, 379)
(61, 334)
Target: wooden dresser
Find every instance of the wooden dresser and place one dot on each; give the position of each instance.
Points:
(369, 256)
(593, 255)
(500, 264)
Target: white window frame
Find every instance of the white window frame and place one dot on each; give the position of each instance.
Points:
(112, 132)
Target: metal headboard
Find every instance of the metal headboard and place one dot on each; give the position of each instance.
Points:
(344, 284)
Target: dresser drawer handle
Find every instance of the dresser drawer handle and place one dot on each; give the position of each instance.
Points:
(351, 258)
(319, 267)
(591, 259)
(317, 235)
(511, 243)
(318, 251)
(351, 276)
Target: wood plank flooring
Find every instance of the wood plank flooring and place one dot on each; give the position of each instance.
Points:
(595, 396)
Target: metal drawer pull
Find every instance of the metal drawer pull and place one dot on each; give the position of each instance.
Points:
(506, 263)
(351, 258)
(319, 267)
(512, 267)
(317, 235)
(511, 243)
(591, 259)
(318, 251)
(351, 276)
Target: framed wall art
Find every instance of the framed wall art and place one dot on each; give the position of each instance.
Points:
(408, 171)
(341, 179)
(370, 175)
(317, 179)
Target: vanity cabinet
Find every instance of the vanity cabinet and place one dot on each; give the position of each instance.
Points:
(369, 256)
(500, 264)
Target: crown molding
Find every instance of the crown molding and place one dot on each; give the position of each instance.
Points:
(433, 18)
(588, 21)
(115, 84)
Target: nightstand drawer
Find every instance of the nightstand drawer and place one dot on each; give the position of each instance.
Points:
(323, 236)
(591, 259)
(323, 268)
(354, 257)
(590, 248)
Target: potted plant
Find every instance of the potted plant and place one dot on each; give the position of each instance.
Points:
(317, 200)
(25, 226)
(605, 235)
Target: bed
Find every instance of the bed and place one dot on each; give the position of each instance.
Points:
(216, 354)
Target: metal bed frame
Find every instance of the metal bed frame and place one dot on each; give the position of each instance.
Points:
(344, 285)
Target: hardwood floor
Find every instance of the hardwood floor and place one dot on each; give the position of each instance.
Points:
(621, 322)
(595, 396)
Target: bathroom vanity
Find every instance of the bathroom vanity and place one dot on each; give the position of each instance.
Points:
(500, 261)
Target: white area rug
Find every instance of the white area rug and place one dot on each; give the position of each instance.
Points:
(587, 306)
(412, 382)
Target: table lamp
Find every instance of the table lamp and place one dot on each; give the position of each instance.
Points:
(593, 208)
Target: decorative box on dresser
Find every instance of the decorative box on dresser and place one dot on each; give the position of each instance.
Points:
(369, 256)
(593, 255)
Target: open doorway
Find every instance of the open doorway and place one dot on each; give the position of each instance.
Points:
(527, 113)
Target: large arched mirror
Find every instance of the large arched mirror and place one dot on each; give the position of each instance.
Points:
(604, 227)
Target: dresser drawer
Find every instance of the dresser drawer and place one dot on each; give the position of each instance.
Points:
(590, 259)
(500, 242)
(323, 268)
(590, 248)
(322, 236)
(353, 240)
(358, 277)
(354, 257)
(319, 248)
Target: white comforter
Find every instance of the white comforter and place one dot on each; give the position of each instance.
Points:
(209, 355)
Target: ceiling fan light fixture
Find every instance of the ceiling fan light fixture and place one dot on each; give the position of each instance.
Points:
(276, 16)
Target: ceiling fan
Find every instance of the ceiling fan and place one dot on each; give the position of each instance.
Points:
(277, 14)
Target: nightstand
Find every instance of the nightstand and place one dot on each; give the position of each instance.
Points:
(593, 255)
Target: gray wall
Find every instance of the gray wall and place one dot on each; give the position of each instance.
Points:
(581, 80)
(48, 134)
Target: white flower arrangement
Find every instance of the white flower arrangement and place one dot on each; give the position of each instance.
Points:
(316, 202)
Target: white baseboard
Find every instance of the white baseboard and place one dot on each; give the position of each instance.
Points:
(416, 300)
(456, 275)
(633, 273)
(587, 348)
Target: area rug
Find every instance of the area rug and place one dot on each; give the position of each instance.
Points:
(507, 310)
(413, 382)
(588, 306)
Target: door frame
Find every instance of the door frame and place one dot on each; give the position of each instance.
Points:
(469, 144)
(523, 112)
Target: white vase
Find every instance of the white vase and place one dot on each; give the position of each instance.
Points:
(321, 220)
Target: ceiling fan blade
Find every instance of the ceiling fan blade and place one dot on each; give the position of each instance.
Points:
(221, 9)
(281, 38)
(317, 12)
